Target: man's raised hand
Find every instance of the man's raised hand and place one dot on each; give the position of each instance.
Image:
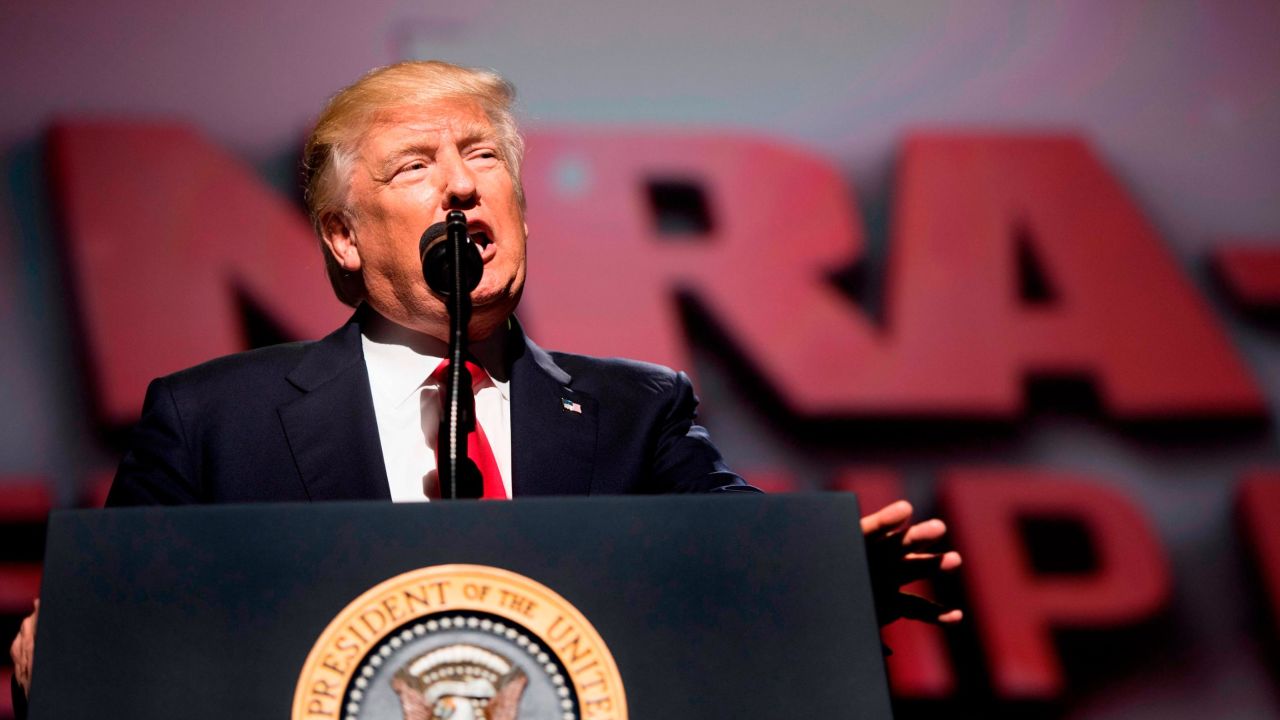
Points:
(899, 553)
(23, 649)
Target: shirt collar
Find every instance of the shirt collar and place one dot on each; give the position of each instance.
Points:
(400, 360)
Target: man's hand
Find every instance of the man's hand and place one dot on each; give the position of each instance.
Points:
(23, 649)
(898, 553)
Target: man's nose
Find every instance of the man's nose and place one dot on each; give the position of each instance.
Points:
(459, 191)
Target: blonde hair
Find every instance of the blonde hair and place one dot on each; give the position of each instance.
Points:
(327, 157)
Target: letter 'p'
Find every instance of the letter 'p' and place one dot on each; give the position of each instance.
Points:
(1015, 607)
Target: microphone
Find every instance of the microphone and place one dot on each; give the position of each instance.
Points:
(449, 266)
(437, 257)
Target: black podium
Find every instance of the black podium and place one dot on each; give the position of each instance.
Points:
(591, 608)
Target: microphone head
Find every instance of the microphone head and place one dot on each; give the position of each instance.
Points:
(437, 257)
(429, 236)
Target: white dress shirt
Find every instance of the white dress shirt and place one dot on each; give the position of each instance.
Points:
(406, 403)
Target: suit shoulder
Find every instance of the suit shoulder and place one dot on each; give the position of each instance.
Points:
(589, 370)
(240, 369)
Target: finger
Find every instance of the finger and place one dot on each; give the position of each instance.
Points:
(924, 534)
(23, 675)
(21, 657)
(25, 632)
(887, 518)
(24, 650)
(950, 559)
(923, 566)
(914, 607)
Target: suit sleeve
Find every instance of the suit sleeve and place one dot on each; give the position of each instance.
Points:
(685, 460)
(158, 467)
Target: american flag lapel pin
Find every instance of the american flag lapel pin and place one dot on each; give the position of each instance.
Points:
(570, 406)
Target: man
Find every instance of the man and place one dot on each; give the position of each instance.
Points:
(354, 415)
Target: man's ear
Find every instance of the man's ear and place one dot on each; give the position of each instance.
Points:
(340, 239)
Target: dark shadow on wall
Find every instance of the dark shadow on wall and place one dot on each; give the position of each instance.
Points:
(880, 437)
(55, 330)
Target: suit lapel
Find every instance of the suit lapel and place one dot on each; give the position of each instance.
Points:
(332, 430)
(552, 448)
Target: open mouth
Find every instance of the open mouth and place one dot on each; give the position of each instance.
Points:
(484, 242)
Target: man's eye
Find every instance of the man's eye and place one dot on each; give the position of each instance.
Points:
(412, 167)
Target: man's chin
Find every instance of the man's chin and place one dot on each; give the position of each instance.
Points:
(489, 303)
(494, 300)
(493, 308)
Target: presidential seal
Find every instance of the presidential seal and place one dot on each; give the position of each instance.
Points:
(459, 642)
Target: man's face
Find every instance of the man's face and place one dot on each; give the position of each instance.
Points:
(411, 167)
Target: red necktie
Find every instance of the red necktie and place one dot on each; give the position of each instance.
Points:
(477, 444)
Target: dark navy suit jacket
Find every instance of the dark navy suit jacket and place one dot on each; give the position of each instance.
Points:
(295, 422)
